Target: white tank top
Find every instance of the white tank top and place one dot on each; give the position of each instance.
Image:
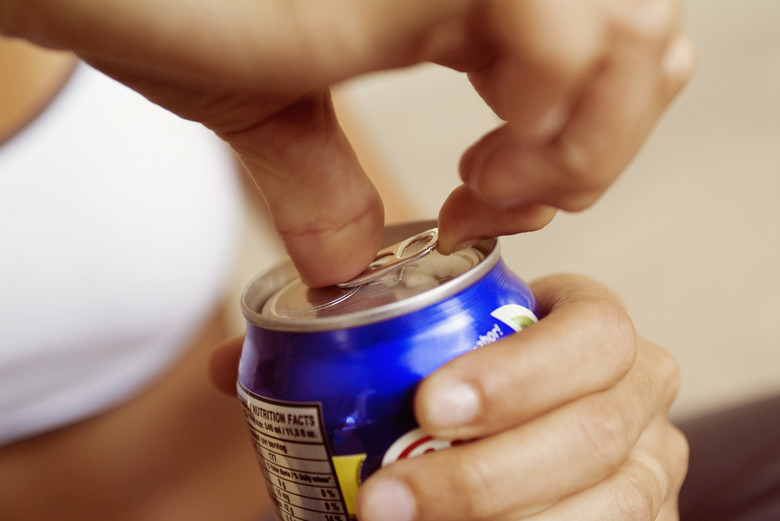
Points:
(118, 231)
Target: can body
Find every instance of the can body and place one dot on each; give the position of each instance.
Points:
(328, 406)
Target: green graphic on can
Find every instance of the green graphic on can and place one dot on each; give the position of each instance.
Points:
(515, 316)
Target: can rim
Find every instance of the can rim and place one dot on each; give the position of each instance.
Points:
(263, 285)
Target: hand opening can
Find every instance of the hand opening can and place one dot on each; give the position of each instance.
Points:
(327, 376)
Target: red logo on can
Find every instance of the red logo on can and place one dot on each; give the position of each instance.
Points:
(416, 443)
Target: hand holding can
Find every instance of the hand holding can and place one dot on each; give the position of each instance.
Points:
(569, 421)
(328, 375)
(571, 417)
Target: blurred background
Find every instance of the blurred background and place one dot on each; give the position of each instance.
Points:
(689, 235)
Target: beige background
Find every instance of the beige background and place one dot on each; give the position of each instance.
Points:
(690, 234)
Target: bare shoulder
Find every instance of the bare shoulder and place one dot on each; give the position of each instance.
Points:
(32, 77)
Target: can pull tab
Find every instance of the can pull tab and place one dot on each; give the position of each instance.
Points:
(395, 257)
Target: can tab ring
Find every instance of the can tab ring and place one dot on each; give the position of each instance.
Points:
(395, 257)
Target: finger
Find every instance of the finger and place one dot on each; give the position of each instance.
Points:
(584, 344)
(543, 50)
(527, 469)
(223, 365)
(465, 219)
(609, 124)
(612, 111)
(644, 488)
(324, 207)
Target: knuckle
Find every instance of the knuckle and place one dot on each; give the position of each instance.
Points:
(466, 481)
(472, 483)
(617, 336)
(647, 484)
(679, 451)
(604, 432)
(651, 24)
(621, 333)
(578, 163)
(463, 479)
(635, 500)
(670, 371)
(667, 372)
(581, 167)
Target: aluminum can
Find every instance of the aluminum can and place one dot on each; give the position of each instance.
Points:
(327, 376)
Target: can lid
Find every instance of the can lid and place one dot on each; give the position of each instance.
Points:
(400, 273)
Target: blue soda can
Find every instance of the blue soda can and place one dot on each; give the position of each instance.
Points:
(327, 376)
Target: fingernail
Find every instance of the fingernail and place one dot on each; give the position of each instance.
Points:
(453, 403)
(388, 500)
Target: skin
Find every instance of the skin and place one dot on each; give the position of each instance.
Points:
(37, 76)
(579, 85)
(175, 449)
(573, 424)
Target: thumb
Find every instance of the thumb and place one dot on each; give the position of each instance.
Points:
(324, 207)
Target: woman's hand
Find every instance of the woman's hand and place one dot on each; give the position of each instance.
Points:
(579, 84)
(569, 417)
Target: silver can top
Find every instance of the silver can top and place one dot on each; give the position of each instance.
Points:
(406, 275)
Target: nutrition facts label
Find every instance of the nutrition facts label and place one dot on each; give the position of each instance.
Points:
(291, 447)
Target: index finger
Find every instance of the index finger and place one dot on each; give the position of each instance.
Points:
(584, 343)
(324, 206)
